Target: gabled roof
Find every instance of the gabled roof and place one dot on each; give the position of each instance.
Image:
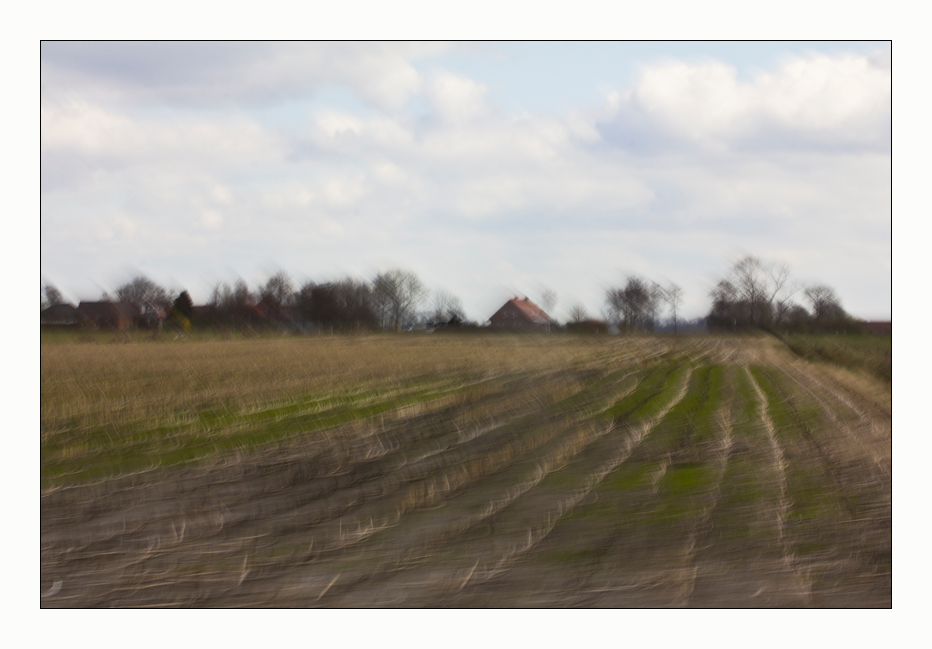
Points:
(59, 314)
(525, 310)
(532, 311)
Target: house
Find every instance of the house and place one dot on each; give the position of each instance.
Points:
(879, 327)
(60, 315)
(109, 315)
(521, 313)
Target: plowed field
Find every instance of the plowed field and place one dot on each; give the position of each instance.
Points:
(445, 471)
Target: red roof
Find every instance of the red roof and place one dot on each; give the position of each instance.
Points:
(879, 327)
(521, 309)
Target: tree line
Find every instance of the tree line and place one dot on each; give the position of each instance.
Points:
(753, 294)
(756, 294)
(390, 301)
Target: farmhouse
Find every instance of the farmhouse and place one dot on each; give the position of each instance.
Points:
(879, 327)
(120, 315)
(60, 315)
(521, 313)
(108, 315)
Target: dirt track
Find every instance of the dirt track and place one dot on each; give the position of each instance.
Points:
(719, 473)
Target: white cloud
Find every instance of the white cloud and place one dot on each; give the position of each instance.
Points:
(211, 218)
(224, 73)
(222, 194)
(841, 101)
(457, 100)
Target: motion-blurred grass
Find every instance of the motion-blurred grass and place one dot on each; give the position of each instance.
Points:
(112, 403)
(873, 353)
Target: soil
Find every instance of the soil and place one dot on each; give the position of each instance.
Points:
(772, 489)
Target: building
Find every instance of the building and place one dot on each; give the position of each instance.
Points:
(108, 315)
(879, 327)
(521, 313)
(60, 315)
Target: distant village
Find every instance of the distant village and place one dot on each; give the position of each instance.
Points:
(518, 313)
(396, 300)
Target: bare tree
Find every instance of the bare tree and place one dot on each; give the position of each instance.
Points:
(345, 305)
(632, 306)
(657, 295)
(751, 295)
(52, 296)
(825, 303)
(277, 292)
(674, 297)
(398, 293)
(241, 295)
(446, 306)
(221, 297)
(278, 289)
(578, 313)
(142, 289)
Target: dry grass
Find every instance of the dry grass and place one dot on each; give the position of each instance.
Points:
(97, 398)
(463, 471)
(93, 385)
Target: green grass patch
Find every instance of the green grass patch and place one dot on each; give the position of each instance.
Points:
(106, 451)
(687, 478)
(863, 352)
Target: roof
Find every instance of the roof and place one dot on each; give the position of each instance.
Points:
(108, 309)
(530, 311)
(879, 327)
(59, 314)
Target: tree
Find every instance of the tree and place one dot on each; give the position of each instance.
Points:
(52, 296)
(797, 318)
(228, 306)
(578, 313)
(751, 295)
(674, 297)
(633, 306)
(446, 306)
(221, 297)
(657, 295)
(181, 311)
(142, 289)
(278, 289)
(184, 305)
(398, 293)
(277, 292)
(824, 302)
(241, 295)
(345, 305)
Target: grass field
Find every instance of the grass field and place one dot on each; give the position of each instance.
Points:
(462, 471)
(866, 352)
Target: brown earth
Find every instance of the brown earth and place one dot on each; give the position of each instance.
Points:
(713, 473)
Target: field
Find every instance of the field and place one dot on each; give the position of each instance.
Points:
(462, 471)
(866, 351)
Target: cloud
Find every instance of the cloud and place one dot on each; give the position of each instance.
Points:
(83, 143)
(457, 100)
(196, 74)
(211, 218)
(837, 102)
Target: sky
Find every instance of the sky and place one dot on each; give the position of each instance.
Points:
(489, 169)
